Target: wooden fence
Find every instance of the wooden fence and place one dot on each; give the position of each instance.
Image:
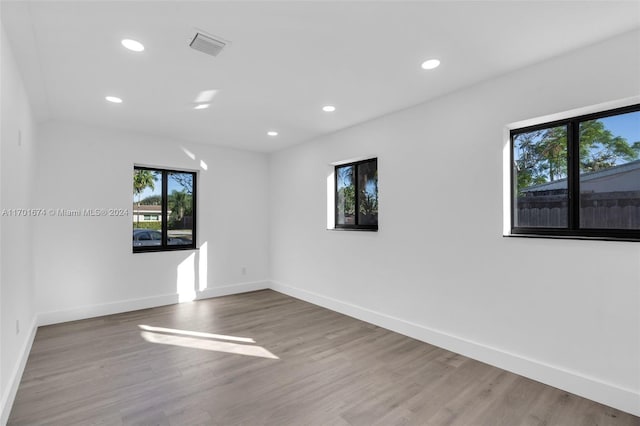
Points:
(619, 210)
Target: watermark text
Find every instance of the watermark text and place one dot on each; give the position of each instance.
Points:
(62, 212)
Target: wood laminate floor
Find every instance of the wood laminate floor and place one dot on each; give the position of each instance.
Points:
(264, 358)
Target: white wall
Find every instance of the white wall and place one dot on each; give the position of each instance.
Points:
(17, 166)
(560, 311)
(85, 265)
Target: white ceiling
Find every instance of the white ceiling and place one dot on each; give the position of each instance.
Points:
(287, 59)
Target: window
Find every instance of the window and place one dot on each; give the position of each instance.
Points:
(578, 177)
(164, 209)
(356, 195)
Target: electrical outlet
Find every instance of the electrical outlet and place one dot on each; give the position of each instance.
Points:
(244, 270)
(17, 326)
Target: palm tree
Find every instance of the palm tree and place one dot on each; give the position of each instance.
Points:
(142, 179)
(179, 202)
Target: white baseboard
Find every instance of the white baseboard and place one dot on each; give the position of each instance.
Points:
(588, 387)
(91, 311)
(232, 289)
(14, 380)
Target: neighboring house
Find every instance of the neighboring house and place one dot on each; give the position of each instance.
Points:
(608, 198)
(145, 213)
(622, 178)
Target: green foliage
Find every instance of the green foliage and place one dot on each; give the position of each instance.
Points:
(143, 179)
(369, 195)
(543, 156)
(347, 196)
(600, 149)
(149, 225)
(543, 153)
(346, 190)
(181, 205)
(152, 200)
(368, 203)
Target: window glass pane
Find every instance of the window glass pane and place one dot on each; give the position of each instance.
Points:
(368, 193)
(147, 207)
(180, 208)
(346, 195)
(610, 172)
(540, 178)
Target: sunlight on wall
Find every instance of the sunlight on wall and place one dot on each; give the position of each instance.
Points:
(506, 183)
(203, 341)
(186, 279)
(202, 267)
(188, 284)
(189, 153)
(205, 96)
(331, 199)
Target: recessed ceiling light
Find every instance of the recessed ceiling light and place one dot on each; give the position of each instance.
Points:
(430, 64)
(328, 108)
(113, 99)
(201, 106)
(134, 45)
(272, 133)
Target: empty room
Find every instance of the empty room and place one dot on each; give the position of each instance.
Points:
(320, 212)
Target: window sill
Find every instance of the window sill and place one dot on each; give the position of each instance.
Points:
(163, 249)
(573, 237)
(353, 229)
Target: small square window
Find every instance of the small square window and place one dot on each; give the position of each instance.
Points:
(356, 195)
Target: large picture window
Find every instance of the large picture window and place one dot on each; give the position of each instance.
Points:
(164, 209)
(356, 196)
(578, 177)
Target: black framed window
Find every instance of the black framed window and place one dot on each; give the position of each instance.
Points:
(356, 195)
(164, 209)
(578, 177)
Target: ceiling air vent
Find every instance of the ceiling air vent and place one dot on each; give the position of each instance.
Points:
(208, 44)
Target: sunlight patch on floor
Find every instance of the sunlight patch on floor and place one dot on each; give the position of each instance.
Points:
(204, 341)
(195, 334)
